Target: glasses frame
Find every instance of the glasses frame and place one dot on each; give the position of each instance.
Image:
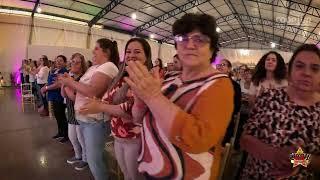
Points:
(184, 39)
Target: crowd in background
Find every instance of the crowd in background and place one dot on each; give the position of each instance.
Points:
(173, 122)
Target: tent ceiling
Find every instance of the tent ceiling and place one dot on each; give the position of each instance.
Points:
(286, 23)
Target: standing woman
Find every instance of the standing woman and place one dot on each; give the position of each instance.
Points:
(94, 83)
(42, 80)
(78, 68)
(159, 67)
(283, 120)
(32, 75)
(26, 70)
(188, 114)
(270, 73)
(119, 104)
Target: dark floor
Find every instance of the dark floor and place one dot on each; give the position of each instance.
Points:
(26, 148)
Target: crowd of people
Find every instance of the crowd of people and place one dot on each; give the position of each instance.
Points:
(173, 123)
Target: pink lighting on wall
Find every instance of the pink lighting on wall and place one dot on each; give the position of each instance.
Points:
(217, 60)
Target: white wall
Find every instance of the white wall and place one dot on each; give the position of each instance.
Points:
(53, 38)
(13, 42)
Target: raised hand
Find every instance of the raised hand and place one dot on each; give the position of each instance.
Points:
(144, 85)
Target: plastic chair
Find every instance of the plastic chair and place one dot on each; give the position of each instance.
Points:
(26, 96)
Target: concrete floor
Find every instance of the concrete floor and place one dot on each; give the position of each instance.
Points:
(26, 148)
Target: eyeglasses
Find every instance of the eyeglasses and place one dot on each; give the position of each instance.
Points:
(75, 62)
(221, 65)
(198, 40)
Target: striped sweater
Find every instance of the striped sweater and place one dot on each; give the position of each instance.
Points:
(193, 149)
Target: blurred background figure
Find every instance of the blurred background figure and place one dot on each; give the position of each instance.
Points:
(176, 63)
(1, 80)
(159, 67)
(174, 68)
(225, 67)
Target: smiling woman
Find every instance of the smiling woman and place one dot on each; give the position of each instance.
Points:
(118, 102)
(94, 83)
(187, 114)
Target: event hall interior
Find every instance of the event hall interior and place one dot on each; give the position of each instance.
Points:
(167, 89)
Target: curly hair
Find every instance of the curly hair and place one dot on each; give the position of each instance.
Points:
(260, 72)
(205, 23)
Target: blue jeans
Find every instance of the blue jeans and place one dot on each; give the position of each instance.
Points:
(94, 135)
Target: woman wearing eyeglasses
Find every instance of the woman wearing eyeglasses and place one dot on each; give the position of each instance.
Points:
(187, 114)
(225, 67)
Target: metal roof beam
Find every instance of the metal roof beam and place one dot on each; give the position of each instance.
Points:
(35, 8)
(273, 20)
(260, 36)
(288, 12)
(170, 14)
(304, 15)
(104, 11)
(233, 9)
(234, 41)
(248, 15)
(261, 18)
(296, 6)
(309, 35)
(222, 16)
(266, 22)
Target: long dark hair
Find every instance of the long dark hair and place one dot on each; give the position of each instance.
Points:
(35, 64)
(111, 48)
(45, 60)
(305, 47)
(260, 72)
(120, 94)
(146, 48)
(160, 63)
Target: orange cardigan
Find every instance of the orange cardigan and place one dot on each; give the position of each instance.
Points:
(206, 125)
